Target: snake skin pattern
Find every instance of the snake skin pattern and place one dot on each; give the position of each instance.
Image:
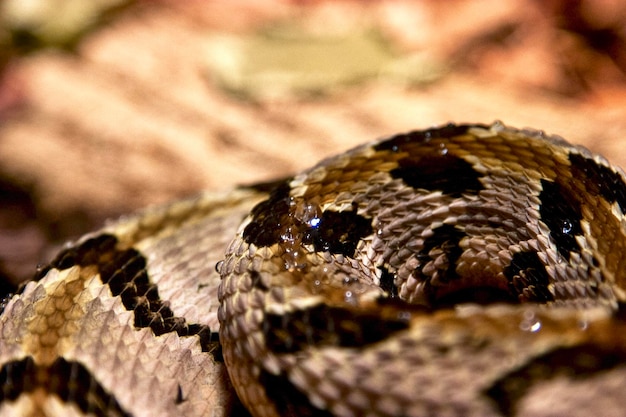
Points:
(467, 270)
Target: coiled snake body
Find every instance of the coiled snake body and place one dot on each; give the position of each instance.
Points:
(468, 270)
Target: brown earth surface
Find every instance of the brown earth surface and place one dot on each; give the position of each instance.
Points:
(150, 105)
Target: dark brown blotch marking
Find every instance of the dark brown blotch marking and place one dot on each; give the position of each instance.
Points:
(70, 381)
(323, 325)
(257, 281)
(447, 240)
(561, 211)
(339, 232)
(124, 271)
(572, 362)
(287, 398)
(446, 173)
(528, 278)
(387, 282)
(443, 243)
(397, 143)
(444, 247)
(268, 217)
(336, 232)
(599, 179)
(427, 166)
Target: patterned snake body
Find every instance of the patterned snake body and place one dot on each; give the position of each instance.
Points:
(460, 271)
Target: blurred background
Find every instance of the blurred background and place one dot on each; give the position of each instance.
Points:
(107, 106)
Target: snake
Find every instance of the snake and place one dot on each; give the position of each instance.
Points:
(460, 270)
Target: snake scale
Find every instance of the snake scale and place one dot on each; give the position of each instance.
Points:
(464, 270)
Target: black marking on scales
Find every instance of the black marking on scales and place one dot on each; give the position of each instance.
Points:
(528, 278)
(288, 399)
(324, 325)
(442, 245)
(399, 142)
(69, 381)
(124, 271)
(561, 211)
(268, 217)
(338, 232)
(573, 363)
(431, 167)
(387, 282)
(599, 179)
(446, 173)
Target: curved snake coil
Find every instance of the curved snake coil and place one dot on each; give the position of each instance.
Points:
(467, 270)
